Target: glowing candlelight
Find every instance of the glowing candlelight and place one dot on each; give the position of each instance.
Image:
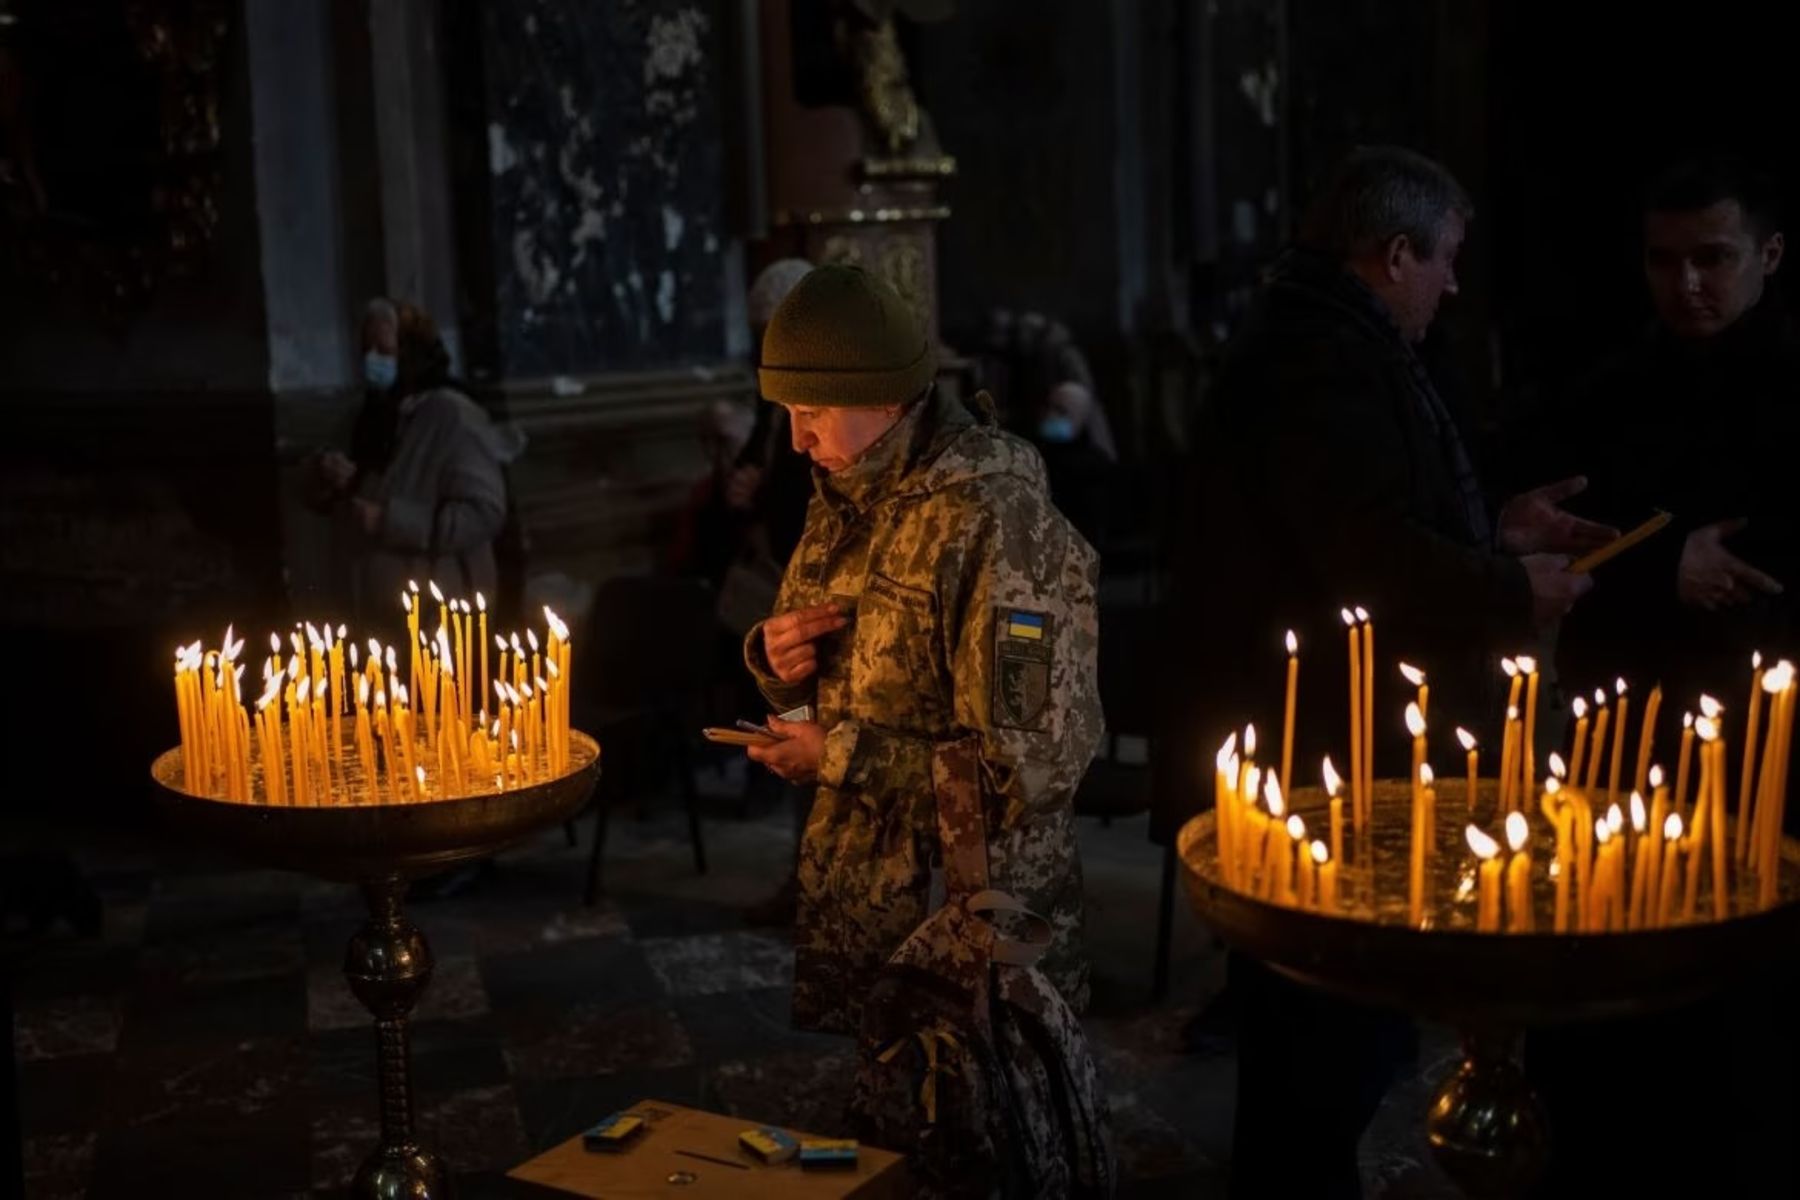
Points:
(1474, 756)
(1487, 909)
(1518, 874)
(1287, 726)
(1334, 785)
(1356, 720)
(1665, 895)
(1528, 742)
(1745, 798)
(1579, 751)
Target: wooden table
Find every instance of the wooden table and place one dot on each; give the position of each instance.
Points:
(700, 1151)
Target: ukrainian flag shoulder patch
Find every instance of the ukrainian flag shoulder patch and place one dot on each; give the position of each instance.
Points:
(1027, 625)
(1023, 653)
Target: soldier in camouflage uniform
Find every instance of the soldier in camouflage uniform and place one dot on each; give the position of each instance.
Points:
(935, 596)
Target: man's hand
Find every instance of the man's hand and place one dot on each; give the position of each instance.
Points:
(1553, 590)
(336, 469)
(741, 487)
(1534, 523)
(788, 640)
(1712, 577)
(796, 757)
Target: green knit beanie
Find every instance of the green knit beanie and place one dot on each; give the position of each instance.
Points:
(844, 339)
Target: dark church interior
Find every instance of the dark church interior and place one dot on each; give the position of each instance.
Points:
(902, 435)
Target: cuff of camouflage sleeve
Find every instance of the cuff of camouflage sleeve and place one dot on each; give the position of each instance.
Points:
(839, 753)
(406, 524)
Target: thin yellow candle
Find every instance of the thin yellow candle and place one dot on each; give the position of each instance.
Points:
(1640, 895)
(1509, 759)
(1741, 842)
(296, 705)
(1600, 895)
(481, 616)
(1356, 720)
(1487, 906)
(443, 605)
(1304, 882)
(1771, 805)
(1564, 866)
(1294, 858)
(1334, 785)
(1224, 793)
(1474, 757)
(1683, 762)
(1647, 738)
(1696, 849)
(1368, 665)
(1327, 877)
(1621, 726)
(1597, 748)
(1415, 725)
(1579, 751)
(1659, 812)
(1528, 739)
(1268, 826)
(1287, 722)
(419, 789)
(1518, 874)
(1669, 871)
(1328, 871)
(1721, 849)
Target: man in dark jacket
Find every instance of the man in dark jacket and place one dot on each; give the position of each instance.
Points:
(1699, 419)
(1334, 474)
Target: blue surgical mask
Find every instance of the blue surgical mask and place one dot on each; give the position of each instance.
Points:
(1056, 429)
(380, 369)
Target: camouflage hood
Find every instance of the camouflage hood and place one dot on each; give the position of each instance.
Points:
(939, 444)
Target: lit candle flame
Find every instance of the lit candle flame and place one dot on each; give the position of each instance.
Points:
(1558, 768)
(1579, 707)
(1465, 737)
(1639, 818)
(1656, 775)
(1527, 664)
(389, 656)
(1296, 828)
(1413, 675)
(1600, 697)
(1672, 827)
(1756, 660)
(1710, 708)
(381, 699)
(531, 636)
(1415, 721)
(1334, 782)
(1687, 720)
(556, 624)
(1321, 854)
(419, 774)
(1293, 643)
(500, 643)
(1271, 793)
(1707, 729)
(1249, 741)
(362, 690)
(1778, 677)
(1362, 614)
(435, 593)
(1484, 846)
(1512, 712)
(1518, 831)
(412, 585)
(1229, 747)
(1552, 786)
(1349, 617)
(1426, 775)
(1615, 817)
(340, 630)
(1619, 685)
(1602, 831)
(1509, 666)
(480, 602)
(406, 601)
(275, 642)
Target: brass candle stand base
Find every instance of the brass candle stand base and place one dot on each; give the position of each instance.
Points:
(1485, 1126)
(388, 962)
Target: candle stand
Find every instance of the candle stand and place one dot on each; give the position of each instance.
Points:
(381, 847)
(1485, 1126)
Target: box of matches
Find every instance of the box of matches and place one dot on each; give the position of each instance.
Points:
(614, 1133)
(828, 1152)
(770, 1145)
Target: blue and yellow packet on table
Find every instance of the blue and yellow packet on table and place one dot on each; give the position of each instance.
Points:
(614, 1133)
(770, 1145)
(828, 1152)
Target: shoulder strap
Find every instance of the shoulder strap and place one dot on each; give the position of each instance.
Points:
(962, 837)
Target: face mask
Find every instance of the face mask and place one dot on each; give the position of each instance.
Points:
(1057, 430)
(380, 369)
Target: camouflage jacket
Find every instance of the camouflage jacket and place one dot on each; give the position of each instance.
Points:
(973, 612)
